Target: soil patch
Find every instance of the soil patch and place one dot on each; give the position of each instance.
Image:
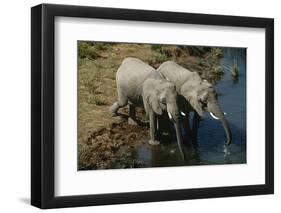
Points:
(113, 147)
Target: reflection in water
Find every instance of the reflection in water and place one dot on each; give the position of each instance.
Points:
(211, 136)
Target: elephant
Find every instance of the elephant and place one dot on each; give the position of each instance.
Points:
(138, 84)
(195, 95)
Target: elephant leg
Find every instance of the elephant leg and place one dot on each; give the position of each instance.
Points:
(158, 128)
(152, 123)
(132, 115)
(163, 125)
(122, 101)
(195, 126)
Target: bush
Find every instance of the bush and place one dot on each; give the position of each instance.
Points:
(160, 58)
(101, 46)
(86, 51)
(218, 70)
(195, 50)
(160, 55)
(217, 52)
(156, 47)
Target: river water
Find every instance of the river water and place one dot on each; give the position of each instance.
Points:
(211, 136)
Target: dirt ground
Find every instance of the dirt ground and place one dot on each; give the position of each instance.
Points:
(109, 142)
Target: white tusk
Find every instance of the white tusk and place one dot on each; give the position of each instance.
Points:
(214, 116)
(183, 114)
(170, 116)
(225, 113)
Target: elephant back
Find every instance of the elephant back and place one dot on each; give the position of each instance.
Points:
(130, 76)
(177, 74)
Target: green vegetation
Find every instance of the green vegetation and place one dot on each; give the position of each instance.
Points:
(195, 50)
(232, 68)
(217, 52)
(102, 46)
(218, 70)
(86, 51)
(234, 71)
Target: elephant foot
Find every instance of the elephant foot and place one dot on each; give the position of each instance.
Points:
(113, 109)
(113, 114)
(166, 134)
(132, 122)
(154, 142)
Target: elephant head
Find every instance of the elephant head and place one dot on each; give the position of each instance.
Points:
(160, 95)
(202, 96)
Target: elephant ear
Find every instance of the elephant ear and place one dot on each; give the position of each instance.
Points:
(151, 100)
(193, 100)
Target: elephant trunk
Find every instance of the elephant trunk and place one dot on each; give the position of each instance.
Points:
(217, 113)
(174, 117)
(227, 131)
(179, 140)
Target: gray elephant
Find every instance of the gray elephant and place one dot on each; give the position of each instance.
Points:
(138, 84)
(195, 95)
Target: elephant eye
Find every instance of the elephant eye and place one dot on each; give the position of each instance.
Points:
(204, 99)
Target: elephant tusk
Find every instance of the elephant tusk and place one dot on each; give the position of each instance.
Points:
(182, 113)
(214, 116)
(225, 113)
(171, 117)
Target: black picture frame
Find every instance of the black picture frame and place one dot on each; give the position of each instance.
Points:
(43, 102)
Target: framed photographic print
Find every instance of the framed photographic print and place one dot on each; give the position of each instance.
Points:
(140, 106)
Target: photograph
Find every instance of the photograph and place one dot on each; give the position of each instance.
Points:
(160, 105)
(133, 105)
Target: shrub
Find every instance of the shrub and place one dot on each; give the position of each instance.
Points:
(195, 50)
(160, 55)
(217, 52)
(218, 70)
(156, 47)
(86, 51)
(101, 46)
